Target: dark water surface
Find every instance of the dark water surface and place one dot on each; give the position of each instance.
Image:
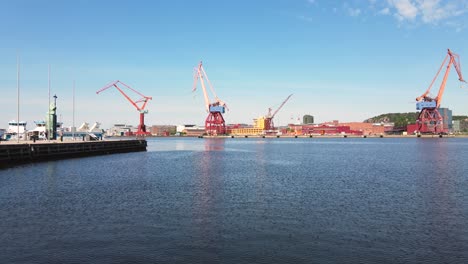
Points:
(243, 201)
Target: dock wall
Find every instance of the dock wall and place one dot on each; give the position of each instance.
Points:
(14, 154)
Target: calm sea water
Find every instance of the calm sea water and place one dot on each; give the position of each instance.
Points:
(243, 201)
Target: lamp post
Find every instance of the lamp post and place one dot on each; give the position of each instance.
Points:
(18, 96)
(73, 126)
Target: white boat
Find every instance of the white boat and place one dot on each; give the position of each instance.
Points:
(14, 128)
(40, 131)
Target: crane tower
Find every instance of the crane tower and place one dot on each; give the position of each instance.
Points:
(214, 123)
(429, 120)
(139, 104)
(269, 125)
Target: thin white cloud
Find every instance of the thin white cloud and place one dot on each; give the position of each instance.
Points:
(385, 11)
(354, 12)
(405, 9)
(409, 12)
(427, 11)
(457, 26)
(305, 18)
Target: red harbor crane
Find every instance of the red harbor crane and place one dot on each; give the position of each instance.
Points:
(269, 125)
(214, 123)
(429, 120)
(139, 104)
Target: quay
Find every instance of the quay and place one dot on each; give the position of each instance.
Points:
(12, 154)
(334, 136)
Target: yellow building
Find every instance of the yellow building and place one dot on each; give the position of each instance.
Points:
(261, 123)
(248, 131)
(259, 128)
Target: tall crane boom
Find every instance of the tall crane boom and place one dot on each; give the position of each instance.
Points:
(214, 123)
(269, 124)
(200, 74)
(429, 119)
(425, 101)
(281, 106)
(139, 104)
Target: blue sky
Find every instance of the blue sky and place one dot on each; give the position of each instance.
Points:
(345, 60)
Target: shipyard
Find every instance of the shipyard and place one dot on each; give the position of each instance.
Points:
(244, 132)
(431, 118)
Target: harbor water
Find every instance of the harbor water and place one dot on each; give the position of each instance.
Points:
(246, 200)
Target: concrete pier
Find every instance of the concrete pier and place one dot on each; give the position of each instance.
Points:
(14, 154)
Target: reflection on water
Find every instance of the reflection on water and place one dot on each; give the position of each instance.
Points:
(190, 200)
(214, 144)
(439, 188)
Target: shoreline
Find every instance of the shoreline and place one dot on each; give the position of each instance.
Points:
(28, 152)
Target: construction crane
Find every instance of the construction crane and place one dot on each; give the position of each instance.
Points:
(214, 123)
(139, 104)
(269, 125)
(429, 120)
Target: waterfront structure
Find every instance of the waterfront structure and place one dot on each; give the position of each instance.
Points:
(194, 131)
(322, 129)
(40, 131)
(456, 126)
(51, 123)
(120, 130)
(365, 128)
(430, 120)
(181, 128)
(84, 132)
(214, 122)
(13, 154)
(143, 101)
(446, 115)
(464, 125)
(13, 127)
(269, 124)
(15, 130)
(307, 119)
(259, 128)
(163, 130)
(370, 128)
(246, 131)
(444, 124)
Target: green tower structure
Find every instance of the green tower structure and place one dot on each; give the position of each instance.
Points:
(52, 120)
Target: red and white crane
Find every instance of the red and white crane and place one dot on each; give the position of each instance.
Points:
(269, 125)
(139, 104)
(214, 123)
(429, 119)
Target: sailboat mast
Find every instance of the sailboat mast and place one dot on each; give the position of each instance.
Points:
(18, 96)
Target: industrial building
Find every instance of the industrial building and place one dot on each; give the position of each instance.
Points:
(190, 130)
(163, 130)
(322, 129)
(194, 131)
(335, 128)
(365, 128)
(307, 119)
(260, 127)
(120, 130)
(446, 118)
(456, 126)
(370, 128)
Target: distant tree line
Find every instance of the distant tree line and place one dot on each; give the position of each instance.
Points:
(399, 119)
(403, 119)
